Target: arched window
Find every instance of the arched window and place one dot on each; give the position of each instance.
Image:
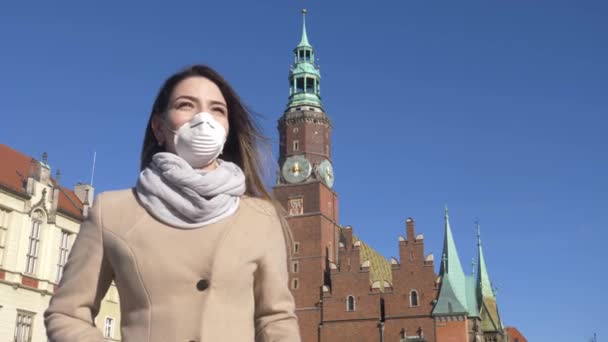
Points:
(414, 298)
(350, 303)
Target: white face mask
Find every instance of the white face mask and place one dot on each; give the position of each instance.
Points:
(200, 140)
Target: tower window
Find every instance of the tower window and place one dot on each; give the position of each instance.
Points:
(296, 145)
(294, 283)
(299, 84)
(350, 303)
(295, 267)
(296, 247)
(413, 298)
(310, 85)
(307, 55)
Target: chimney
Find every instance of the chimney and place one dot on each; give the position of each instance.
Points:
(84, 192)
(409, 227)
(43, 171)
(86, 205)
(31, 177)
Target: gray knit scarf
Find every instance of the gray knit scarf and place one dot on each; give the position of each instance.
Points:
(178, 195)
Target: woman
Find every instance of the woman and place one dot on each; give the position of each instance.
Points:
(197, 249)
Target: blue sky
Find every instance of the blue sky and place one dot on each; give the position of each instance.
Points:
(496, 108)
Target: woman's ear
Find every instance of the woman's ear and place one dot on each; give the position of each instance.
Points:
(157, 129)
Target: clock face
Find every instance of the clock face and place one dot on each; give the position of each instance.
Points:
(326, 171)
(296, 169)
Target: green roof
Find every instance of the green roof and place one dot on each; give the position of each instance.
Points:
(483, 279)
(305, 68)
(448, 303)
(451, 266)
(472, 305)
(490, 319)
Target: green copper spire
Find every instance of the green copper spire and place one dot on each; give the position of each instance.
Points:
(304, 74)
(483, 280)
(304, 41)
(449, 250)
(488, 309)
(452, 293)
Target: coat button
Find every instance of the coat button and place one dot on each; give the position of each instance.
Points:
(202, 284)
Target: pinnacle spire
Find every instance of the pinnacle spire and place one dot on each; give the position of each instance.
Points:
(483, 279)
(304, 40)
(451, 268)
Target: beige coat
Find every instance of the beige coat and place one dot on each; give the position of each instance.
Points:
(227, 281)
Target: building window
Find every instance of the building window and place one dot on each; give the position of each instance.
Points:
(350, 303)
(295, 266)
(296, 145)
(64, 250)
(296, 206)
(23, 327)
(296, 247)
(296, 130)
(300, 85)
(4, 217)
(413, 298)
(310, 85)
(294, 283)
(34, 244)
(108, 328)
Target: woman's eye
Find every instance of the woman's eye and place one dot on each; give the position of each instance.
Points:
(181, 105)
(220, 111)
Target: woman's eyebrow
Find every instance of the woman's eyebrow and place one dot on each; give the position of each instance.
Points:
(188, 97)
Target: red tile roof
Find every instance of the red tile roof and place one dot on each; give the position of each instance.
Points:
(14, 170)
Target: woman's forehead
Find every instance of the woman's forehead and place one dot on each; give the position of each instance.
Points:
(198, 87)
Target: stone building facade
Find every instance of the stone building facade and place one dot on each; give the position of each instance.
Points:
(39, 220)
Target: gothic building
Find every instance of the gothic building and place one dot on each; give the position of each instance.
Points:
(345, 290)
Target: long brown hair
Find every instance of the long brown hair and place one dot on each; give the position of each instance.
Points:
(243, 136)
(242, 144)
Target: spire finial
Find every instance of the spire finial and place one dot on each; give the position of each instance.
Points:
(304, 40)
(478, 232)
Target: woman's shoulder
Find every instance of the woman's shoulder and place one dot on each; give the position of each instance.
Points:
(117, 198)
(259, 206)
(118, 208)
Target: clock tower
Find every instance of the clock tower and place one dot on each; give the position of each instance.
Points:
(305, 187)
